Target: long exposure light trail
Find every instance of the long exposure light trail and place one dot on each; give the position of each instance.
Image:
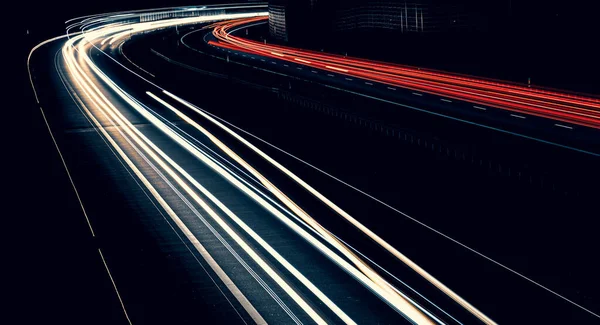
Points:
(548, 104)
(374, 278)
(336, 208)
(75, 55)
(255, 250)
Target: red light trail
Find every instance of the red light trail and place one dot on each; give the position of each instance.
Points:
(574, 109)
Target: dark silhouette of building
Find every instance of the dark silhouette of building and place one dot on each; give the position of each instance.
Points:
(550, 42)
(300, 21)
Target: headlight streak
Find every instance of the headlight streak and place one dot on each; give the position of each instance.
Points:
(75, 70)
(199, 215)
(358, 274)
(372, 276)
(155, 26)
(402, 303)
(402, 213)
(101, 102)
(291, 214)
(134, 133)
(203, 252)
(338, 210)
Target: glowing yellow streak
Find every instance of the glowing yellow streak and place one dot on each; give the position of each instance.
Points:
(233, 180)
(132, 133)
(344, 214)
(119, 36)
(133, 104)
(213, 264)
(104, 41)
(383, 288)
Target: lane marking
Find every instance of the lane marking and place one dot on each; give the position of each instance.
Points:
(349, 79)
(330, 75)
(82, 107)
(114, 286)
(313, 71)
(564, 126)
(391, 88)
(62, 159)
(299, 68)
(445, 100)
(518, 116)
(137, 66)
(417, 94)
(481, 108)
(127, 126)
(368, 83)
(285, 65)
(263, 60)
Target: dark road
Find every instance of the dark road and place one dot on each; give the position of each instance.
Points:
(226, 185)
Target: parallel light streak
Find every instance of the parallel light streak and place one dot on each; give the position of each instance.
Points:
(517, 98)
(548, 104)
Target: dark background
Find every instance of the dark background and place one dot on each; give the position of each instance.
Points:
(552, 41)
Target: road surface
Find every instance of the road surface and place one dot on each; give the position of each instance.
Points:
(265, 241)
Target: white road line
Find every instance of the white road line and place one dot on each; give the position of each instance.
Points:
(313, 71)
(349, 79)
(114, 285)
(368, 83)
(330, 75)
(391, 88)
(417, 94)
(273, 62)
(263, 60)
(517, 116)
(62, 159)
(82, 107)
(564, 126)
(299, 68)
(481, 108)
(446, 100)
(285, 65)
(230, 285)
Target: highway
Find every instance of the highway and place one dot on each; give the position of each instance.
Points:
(267, 236)
(567, 108)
